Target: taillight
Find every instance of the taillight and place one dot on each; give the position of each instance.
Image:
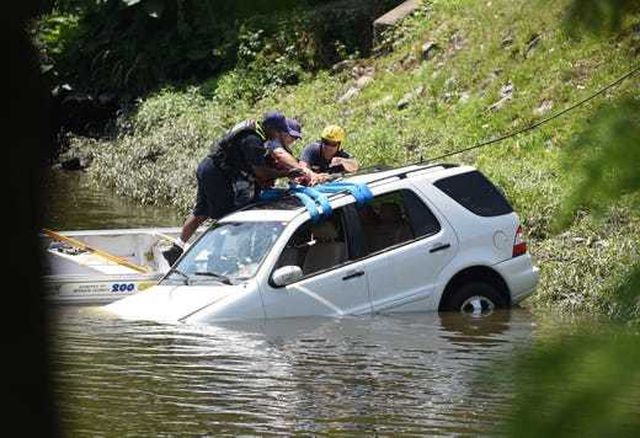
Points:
(519, 245)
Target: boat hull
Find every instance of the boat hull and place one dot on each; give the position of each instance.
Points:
(95, 267)
(95, 290)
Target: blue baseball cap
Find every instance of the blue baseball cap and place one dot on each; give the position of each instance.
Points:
(295, 130)
(277, 120)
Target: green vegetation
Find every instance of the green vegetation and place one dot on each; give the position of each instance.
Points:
(131, 47)
(585, 383)
(496, 67)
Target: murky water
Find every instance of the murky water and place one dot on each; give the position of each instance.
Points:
(409, 374)
(74, 203)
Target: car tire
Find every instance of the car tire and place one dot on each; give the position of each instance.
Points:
(475, 297)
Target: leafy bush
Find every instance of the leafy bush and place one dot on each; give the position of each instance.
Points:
(132, 46)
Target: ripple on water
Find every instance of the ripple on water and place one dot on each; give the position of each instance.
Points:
(419, 373)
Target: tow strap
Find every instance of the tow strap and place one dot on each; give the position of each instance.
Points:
(314, 197)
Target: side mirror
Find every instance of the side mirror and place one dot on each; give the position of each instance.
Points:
(286, 275)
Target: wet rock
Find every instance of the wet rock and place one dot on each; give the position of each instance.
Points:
(363, 76)
(360, 70)
(506, 90)
(448, 96)
(363, 81)
(391, 18)
(409, 97)
(531, 45)
(507, 41)
(342, 66)
(506, 93)
(408, 62)
(456, 42)
(384, 101)
(350, 94)
(544, 107)
(428, 50)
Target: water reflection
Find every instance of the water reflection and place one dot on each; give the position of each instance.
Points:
(393, 374)
(75, 203)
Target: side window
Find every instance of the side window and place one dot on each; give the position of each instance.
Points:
(476, 193)
(317, 246)
(395, 218)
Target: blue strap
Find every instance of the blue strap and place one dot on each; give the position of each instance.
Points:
(317, 196)
(360, 192)
(309, 204)
(271, 194)
(311, 197)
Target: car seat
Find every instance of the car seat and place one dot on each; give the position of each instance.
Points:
(327, 251)
(392, 228)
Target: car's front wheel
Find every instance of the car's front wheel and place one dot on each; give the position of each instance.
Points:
(475, 297)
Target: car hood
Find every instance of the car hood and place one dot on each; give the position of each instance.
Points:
(169, 303)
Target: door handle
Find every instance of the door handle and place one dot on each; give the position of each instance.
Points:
(440, 247)
(353, 274)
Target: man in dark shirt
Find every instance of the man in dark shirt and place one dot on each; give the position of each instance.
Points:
(282, 157)
(228, 176)
(326, 155)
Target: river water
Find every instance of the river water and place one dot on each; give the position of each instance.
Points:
(411, 374)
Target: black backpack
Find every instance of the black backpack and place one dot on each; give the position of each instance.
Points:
(224, 152)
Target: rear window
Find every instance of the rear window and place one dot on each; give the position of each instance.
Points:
(475, 192)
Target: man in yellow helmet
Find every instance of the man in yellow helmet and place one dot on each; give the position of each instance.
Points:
(327, 155)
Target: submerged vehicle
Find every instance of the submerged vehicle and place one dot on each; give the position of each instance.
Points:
(431, 237)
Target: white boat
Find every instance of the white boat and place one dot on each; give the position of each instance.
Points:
(101, 266)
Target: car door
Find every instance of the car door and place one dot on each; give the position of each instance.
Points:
(333, 283)
(407, 245)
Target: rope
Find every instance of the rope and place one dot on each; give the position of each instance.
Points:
(541, 122)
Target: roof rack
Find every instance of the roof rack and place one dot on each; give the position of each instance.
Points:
(374, 169)
(403, 174)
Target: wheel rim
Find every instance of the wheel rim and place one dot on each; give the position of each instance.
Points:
(477, 305)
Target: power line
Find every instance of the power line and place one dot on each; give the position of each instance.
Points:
(541, 122)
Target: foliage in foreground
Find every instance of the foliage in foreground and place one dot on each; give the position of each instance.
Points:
(580, 384)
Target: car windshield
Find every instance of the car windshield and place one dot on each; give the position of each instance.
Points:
(227, 253)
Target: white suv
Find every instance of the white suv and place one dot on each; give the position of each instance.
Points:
(434, 237)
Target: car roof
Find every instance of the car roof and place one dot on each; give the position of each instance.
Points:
(288, 207)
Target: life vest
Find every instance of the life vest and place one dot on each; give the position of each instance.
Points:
(225, 153)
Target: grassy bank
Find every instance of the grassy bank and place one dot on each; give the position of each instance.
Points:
(496, 67)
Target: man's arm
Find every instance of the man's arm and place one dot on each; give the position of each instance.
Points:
(268, 173)
(282, 156)
(348, 164)
(344, 159)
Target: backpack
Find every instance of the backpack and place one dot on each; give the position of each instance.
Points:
(225, 153)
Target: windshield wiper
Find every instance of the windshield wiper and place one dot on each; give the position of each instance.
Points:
(179, 272)
(222, 278)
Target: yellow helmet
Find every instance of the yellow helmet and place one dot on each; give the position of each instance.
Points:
(333, 133)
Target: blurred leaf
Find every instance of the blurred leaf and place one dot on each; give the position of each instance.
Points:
(583, 385)
(604, 160)
(597, 15)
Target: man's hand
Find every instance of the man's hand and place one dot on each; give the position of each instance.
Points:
(348, 164)
(336, 161)
(296, 172)
(318, 178)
